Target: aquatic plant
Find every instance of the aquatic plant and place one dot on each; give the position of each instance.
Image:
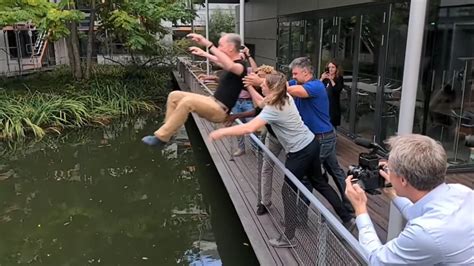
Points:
(113, 91)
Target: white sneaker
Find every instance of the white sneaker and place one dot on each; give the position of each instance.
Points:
(281, 242)
(238, 152)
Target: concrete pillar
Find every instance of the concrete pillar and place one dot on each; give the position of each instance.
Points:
(411, 73)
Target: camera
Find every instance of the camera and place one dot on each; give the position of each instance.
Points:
(326, 69)
(366, 174)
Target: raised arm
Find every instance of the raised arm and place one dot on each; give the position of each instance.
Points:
(238, 130)
(249, 58)
(199, 52)
(298, 91)
(223, 60)
(256, 97)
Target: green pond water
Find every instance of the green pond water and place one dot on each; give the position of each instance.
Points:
(101, 197)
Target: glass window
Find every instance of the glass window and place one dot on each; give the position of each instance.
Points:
(283, 44)
(297, 28)
(310, 43)
(394, 70)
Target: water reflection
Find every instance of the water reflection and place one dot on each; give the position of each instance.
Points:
(97, 196)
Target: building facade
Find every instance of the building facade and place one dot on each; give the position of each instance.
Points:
(368, 39)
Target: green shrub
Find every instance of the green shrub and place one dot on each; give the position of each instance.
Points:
(113, 91)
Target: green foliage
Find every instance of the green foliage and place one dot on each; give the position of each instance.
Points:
(43, 14)
(138, 23)
(114, 91)
(220, 21)
(182, 46)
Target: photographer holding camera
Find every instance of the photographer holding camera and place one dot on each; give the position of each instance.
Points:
(440, 216)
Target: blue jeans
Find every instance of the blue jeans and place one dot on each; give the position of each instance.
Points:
(328, 158)
(241, 106)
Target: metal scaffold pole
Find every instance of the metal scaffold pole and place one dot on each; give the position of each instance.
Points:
(242, 20)
(207, 35)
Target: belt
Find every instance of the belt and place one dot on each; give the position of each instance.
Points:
(223, 106)
(325, 135)
(244, 99)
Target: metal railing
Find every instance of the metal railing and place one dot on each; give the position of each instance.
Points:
(324, 240)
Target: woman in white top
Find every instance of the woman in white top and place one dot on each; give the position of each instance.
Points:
(302, 147)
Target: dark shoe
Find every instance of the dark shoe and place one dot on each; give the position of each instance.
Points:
(282, 242)
(153, 141)
(261, 209)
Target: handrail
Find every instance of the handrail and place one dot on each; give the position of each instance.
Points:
(327, 214)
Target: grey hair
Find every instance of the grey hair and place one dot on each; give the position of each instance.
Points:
(303, 63)
(420, 159)
(234, 39)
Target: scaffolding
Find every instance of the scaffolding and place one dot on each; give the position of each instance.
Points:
(24, 50)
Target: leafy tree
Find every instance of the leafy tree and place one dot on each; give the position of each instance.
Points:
(138, 23)
(42, 13)
(220, 21)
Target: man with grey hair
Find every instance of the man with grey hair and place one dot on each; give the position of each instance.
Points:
(313, 105)
(214, 108)
(440, 227)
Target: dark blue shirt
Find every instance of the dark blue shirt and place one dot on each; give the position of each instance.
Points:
(314, 110)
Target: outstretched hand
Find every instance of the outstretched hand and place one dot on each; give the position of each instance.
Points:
(216, 134)
(199, 39)
(252, 79)
(197, 51)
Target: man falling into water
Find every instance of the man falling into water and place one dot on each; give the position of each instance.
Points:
(213, 108)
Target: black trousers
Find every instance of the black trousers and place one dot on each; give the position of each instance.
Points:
(306, 163)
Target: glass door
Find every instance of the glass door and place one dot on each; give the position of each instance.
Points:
(283, 51)
(356, 39)
(346, 48)
(366, 83)
(326, 42)
(311, 40)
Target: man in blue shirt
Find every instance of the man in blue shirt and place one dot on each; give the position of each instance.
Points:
(440, 227)
(313, 105)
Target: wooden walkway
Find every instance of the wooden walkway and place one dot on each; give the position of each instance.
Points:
(240, 175)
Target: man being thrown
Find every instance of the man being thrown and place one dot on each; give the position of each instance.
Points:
(213, 108)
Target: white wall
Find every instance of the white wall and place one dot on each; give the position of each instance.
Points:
(3, 55)
(60, 52)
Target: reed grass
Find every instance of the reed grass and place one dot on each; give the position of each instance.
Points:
(112, 92)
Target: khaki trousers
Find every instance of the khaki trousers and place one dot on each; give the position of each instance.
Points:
(178, 107)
